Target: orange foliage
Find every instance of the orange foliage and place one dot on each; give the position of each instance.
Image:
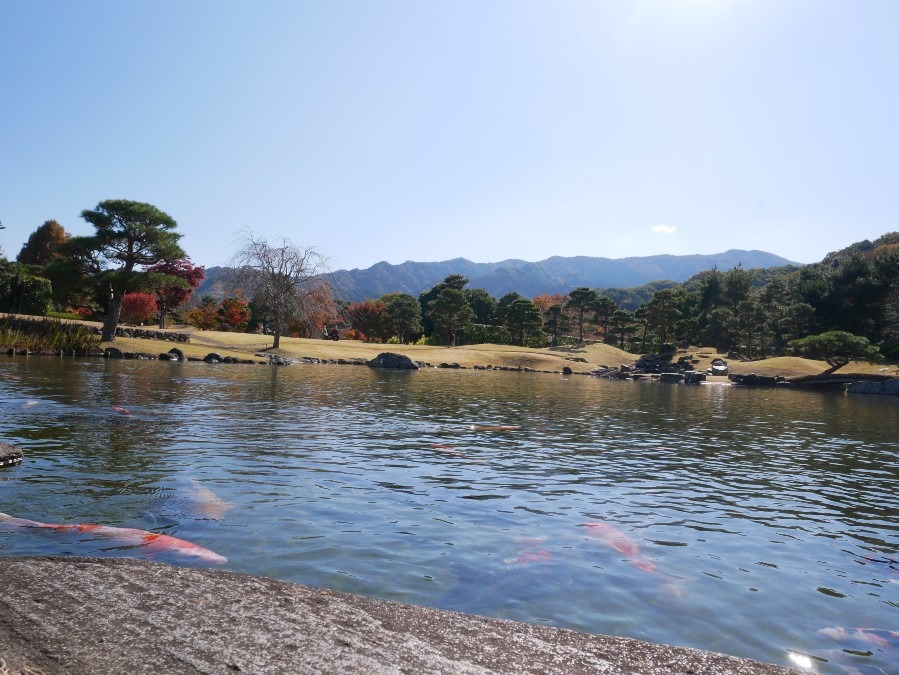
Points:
(545, 301)
(235, 314)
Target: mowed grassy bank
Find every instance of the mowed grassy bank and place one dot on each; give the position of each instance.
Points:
(581, 359)
(242, 345)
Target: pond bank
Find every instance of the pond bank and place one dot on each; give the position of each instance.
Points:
(115, 615)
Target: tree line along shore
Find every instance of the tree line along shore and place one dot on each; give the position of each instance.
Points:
(132, 269)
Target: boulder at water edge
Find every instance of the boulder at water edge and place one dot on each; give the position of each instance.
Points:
(391, 360)
(10, 455)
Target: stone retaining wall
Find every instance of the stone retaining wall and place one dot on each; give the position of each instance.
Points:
(147, 334)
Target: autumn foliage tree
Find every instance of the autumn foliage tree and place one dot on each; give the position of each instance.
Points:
(43, 245)
(234, 314)
(319, 310)
(367, 318)
(138, 307)
(173, 281)
(205, 315)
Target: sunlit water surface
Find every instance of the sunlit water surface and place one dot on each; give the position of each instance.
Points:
(752, 520)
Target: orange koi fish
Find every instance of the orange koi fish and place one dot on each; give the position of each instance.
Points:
(616, 539)
(123, 411)
(149, 541)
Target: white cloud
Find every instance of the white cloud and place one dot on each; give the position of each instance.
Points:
(664, 229)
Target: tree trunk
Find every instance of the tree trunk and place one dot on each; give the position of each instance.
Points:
(111, 322)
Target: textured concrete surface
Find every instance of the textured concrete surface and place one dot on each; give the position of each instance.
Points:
(117, 615)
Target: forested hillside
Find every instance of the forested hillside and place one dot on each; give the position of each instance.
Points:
(846, 305)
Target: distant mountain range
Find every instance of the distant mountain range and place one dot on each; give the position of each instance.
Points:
(530, 279)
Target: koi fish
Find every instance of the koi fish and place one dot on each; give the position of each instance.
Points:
(207, 503)
(150, 541)
(526, 557)
(123, 411)
(619, 541)
(874, 636)
(450, 450)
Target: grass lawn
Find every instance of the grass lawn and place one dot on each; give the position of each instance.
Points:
(580, 358)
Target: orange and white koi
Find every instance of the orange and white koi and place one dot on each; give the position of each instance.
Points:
(617, 540)
(122, 411)
(150, 541)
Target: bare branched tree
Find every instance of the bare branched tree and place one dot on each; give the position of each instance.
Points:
(282, 279)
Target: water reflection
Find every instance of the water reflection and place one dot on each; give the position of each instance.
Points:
(748, 521)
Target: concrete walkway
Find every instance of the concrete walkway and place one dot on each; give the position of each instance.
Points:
(117, 615)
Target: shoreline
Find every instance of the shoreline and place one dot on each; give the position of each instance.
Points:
(154, 617)
(584, 359)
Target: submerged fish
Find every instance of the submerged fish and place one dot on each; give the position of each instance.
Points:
(450, 450)
(875, 636)
(207, 503)
(864, 648)
(616, 539)
(526, 557)
(149, 541)
(122, 411)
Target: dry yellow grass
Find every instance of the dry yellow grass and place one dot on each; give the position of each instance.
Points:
(242, 345)
(581, 359)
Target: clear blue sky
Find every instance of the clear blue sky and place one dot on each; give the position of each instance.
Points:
(425, 130)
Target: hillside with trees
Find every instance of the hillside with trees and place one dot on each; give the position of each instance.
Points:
(845, 306)
(530, 279)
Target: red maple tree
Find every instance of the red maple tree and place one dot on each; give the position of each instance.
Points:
(173, 282)
(138, 307)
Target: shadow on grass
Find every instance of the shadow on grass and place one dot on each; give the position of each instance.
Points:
(569, 349)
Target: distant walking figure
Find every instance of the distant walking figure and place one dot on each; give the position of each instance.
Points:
(334, 335)
(452, 339)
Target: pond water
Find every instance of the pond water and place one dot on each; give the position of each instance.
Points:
(753, 522)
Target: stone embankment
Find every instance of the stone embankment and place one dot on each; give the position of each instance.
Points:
(148, 334)
(116, 615)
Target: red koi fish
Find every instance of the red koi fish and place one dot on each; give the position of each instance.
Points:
(149, 541)
(619, 541)
(123, 411)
